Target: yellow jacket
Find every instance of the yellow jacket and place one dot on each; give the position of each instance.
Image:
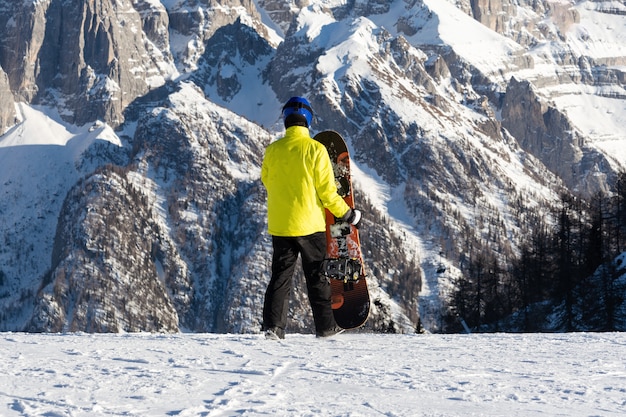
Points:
(300, 183)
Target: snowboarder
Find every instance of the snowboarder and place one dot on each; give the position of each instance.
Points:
(300, 183)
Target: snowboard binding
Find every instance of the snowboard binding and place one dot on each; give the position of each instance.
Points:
(342, 269)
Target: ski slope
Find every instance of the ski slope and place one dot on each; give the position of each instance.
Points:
(349, 375)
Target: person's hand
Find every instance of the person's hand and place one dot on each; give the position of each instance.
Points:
(353, 217)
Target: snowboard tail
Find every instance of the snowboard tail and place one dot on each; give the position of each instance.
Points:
(344, 262)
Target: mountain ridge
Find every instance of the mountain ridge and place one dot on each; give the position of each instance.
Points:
(454, 139)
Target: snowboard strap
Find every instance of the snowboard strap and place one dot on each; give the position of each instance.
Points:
(342, 269)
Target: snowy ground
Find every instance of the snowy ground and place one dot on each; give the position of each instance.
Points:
(349, 375)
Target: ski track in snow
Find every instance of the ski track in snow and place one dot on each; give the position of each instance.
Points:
(349, 375)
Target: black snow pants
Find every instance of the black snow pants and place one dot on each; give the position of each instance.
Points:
(312, 249)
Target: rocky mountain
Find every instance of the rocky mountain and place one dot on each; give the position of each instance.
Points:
(134, 133)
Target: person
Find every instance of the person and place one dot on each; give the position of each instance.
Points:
(298, 176)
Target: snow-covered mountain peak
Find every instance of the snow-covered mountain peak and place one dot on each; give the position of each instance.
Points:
(467, 123)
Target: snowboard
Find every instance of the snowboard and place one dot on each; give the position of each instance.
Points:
(344, 261)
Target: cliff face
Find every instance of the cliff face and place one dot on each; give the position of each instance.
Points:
(92, 58)
(7, 109)
(548, 134)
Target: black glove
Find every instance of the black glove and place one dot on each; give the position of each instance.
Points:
(353, 217)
